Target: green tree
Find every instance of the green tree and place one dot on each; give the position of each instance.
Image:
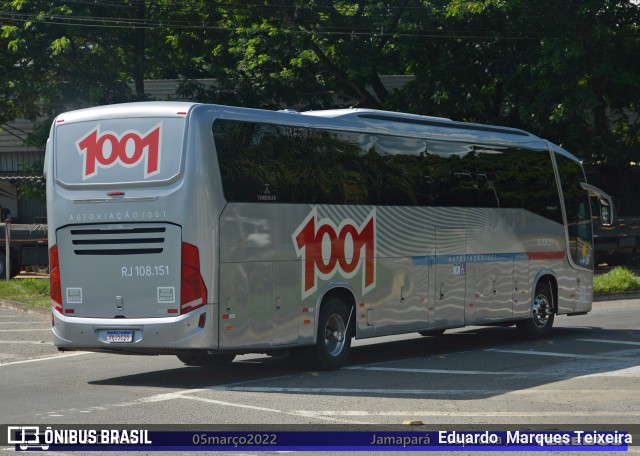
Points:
(564, 70)
(307, 53)
(58, 57)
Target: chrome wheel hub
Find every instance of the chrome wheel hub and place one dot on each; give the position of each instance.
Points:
(541, 310)
(334, 335)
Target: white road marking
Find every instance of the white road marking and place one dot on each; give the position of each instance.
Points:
(169, 396)
(609, 341)
(27, 342)
(188, 394)
(232, 404)
(583, 372)
(36, 360)
(25, 330)
(38, 322)
(265, 409)
(257, 380)
(441, 371)
(414, 413)
(558, 355)
(142, 400)
(399, 392)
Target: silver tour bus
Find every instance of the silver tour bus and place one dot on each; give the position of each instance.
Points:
(209, 231)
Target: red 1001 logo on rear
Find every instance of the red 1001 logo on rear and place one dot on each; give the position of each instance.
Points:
(106, 149)
(327, 249)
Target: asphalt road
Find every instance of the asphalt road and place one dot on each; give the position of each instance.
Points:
(587, 373)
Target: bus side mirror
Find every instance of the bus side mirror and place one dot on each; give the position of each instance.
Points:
(605, 202)
(605, 215)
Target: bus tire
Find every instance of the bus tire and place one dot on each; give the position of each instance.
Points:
(542, 314)
(334, 336)
(207, 360)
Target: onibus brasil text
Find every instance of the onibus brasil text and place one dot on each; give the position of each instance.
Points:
(91, 437)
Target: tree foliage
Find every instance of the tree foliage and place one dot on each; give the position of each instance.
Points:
(567, 71)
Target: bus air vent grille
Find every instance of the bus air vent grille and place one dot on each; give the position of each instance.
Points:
(121, 241)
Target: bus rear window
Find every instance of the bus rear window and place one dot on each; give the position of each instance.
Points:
(119, 151)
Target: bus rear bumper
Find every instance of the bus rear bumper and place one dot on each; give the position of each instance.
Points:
(184, 332)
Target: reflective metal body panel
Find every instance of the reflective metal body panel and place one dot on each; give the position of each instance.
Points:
(267, 264)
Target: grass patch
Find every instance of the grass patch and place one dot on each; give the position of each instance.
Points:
(34, 292)
(616, 280)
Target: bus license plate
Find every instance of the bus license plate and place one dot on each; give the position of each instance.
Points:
(120, 336)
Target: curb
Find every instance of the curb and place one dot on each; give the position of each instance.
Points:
(616, 296)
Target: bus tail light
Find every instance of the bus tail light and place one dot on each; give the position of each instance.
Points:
(193, 291)
(55, 288)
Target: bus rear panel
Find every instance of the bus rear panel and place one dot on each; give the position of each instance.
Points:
(126, 268)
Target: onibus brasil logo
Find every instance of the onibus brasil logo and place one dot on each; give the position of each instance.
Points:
(327, 249)
(106, 149)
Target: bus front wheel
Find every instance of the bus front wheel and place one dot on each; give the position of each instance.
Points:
(542, 314)
(334, 335)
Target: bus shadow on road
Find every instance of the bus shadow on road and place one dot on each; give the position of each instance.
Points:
(472, 363)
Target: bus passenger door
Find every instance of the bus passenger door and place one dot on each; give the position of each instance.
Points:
(450, 277)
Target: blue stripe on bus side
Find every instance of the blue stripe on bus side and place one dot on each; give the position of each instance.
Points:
(469, 258)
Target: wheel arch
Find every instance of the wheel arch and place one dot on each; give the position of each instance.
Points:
(549, 277)
(342, 291)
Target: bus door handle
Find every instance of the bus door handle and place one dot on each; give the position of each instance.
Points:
(494, 287)
(441, 290)
(402, 293)
(278, 303)
(228, 304)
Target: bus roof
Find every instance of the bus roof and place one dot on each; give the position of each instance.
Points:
(425, 125)
(138, 109)
(355, 118)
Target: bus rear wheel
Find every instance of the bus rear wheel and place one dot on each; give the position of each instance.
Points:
(542, 314)
(334, 335)
(207, 360)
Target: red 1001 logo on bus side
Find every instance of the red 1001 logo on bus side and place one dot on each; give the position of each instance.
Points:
(103, 150)
(326, 249)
